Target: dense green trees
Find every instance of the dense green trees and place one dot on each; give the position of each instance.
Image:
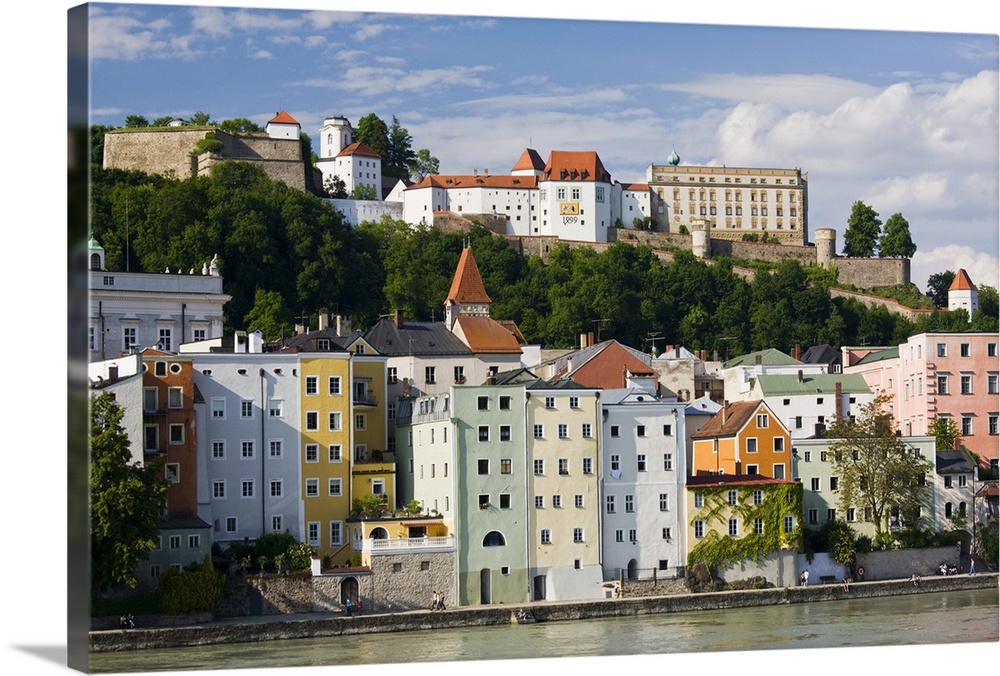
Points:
(862, 234)
(895, 241)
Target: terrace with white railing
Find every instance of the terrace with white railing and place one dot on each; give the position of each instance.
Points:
(383, 546)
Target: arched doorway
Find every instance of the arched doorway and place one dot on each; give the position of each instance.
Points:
(485, 593)
(380, 534)
(633, 570)
(539, 588)
(350, 589)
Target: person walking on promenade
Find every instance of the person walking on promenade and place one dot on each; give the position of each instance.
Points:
(972, 565)
(347, 606)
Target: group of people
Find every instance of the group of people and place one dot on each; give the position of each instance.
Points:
(127, 621)
(438, 602)
(804, 578)
(350, 607)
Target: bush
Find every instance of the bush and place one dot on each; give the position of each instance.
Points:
(195, 590)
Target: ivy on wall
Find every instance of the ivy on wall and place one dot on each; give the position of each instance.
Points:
(719, 550)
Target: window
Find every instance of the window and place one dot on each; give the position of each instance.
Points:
(175, 397)
(218, 408)
(391, 375)
(274, 409)
(667, 430)
(505, 466)
(664, 503)
(275, 448)
(165, 337)
(334, 453)
(312, 530)
(779, 444)
(332, 386)
(219, 490)
(619, 535)
(947, 481)
(563, 431)
(789, 523)
(942, 350)
(834, 483)
(966, 424)
(699, 529)
(176, 433)
(578, 501)
(632, 535)
(588, 466)
(129, 340)
(312, 488)
(966, 383)
(504, 432)
(246, 488)
(574, 402)
(699, 500)
(459, 374)
(335, 488)
(851, 514)
(277, 488)
(585, 430)
(629, 504)
(556, 501)
(732, 497)
(538, 431)
(762, 421)
(219, 449)
(483, 403)
(550, 402)
(231, 524)
(246, 449)
(991, 383)
(942, 384)
(831, 515)
(563, 467)
(813, 516)
(668, 462)
(539, 502)
(545, 536)
(175, 541)
(483, 466)
(334, 421)
(758, 497)
(963, 349)
(758, 526)
(484, 432)
(992, 420)
(505, 501)
(505, 403)
(752, 445)
(609, 504)
(429, 375)
(640, 430)
(752, 469)
(615, 431)
(336, 533)
(665, 534)
(312, 420)
(246, 409)
(276, 524)
(577, 535)
(615, 463)
(734, 527)
(539, 467)
(991, 349)
(312, 385)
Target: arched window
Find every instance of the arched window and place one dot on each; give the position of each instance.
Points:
(947, 510)
(494, 539)
(95, 261)
(329, 139)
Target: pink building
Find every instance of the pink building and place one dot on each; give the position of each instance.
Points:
(935, 375)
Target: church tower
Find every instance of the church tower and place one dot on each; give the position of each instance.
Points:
(335, 135)
(467, 295)
(963, 293)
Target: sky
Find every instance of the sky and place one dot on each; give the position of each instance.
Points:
(905, 121)
(716, 96)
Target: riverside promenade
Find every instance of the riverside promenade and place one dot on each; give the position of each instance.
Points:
(310, 625)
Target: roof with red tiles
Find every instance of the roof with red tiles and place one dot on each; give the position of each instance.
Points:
(732, 480)
(467, 284)
(283, 118)
(486, 335)
(570, 165)
(529, 160)
(606, 365)
(962, 282)
(642, 187)
(358, 149)
(729, 420)
(477, 181)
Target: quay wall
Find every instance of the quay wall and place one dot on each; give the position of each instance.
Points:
(339, 625)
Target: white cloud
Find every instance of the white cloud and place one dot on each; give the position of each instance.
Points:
(983, 268)
(124, 36)
(262, 54)
(324, 20)
(369, 31)
(791, 91)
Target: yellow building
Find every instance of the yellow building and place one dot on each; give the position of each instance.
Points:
(327, 438)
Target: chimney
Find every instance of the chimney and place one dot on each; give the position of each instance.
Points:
(725, 410)
(583, 340)
(590, 339)
(838, 400)
(475, 172)
(323, 319)
(343, 326)
(486, 171)
(757, 360)
(800, 375)
(797, 353)
(397, 318)
(113, 372)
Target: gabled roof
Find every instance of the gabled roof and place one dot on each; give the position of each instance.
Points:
(529, 160)
(778, 384)
(283, 118)
(879, 355)
(821, 354)
(768, 357)
(732, 480)
(962, 282)
(310, 342)
(358, 149)
(484, 335)
(467, 284)
(955, 462)
(567, 165)
(414, 338)
(483, 181)
(729, 420)
(604, 365)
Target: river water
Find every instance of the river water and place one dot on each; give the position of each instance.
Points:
(949, 618)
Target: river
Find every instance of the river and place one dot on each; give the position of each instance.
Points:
(949, 618)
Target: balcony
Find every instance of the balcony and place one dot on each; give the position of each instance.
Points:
(365, 399)
(444, 543)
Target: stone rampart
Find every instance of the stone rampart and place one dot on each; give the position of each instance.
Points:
(164, 151)
(873, 301)
(868, 273)
(902, 563)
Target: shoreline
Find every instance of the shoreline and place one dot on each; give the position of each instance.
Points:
(312, 625)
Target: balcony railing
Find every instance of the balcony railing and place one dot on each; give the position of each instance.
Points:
(394, 546)
(365, 399)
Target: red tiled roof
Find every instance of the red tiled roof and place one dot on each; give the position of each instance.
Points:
(467, 284)
(606, 369)
(962, 282)
(283, 118)
(568, 165)
(358, 149)
(483, 334)
(636, 187)
(728, 421)
(509, 182)
(529, 160)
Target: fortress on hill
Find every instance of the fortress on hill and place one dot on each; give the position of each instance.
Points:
(739, 212)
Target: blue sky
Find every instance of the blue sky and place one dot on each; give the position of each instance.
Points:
(906, 121)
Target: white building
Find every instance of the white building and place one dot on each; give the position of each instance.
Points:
(283, 126)
(806, 404)
(644, 470)
(740, 373)
(425, 452)
(132, 310)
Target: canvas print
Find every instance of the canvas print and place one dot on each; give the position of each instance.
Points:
(432, 338)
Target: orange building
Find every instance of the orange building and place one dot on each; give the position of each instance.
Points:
(742, 438)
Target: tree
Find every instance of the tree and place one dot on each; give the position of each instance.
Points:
(162, 121)
(895, 241)
(239, 125)
(400, 152)
(938, 285)
(201, 119)
(424, 165)
(335, 187)
(364, 192)
(373, 132)
(133, 121)
(863, 227)
(125, 499)
(269, 314)
(876, 470)
(947, 433)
